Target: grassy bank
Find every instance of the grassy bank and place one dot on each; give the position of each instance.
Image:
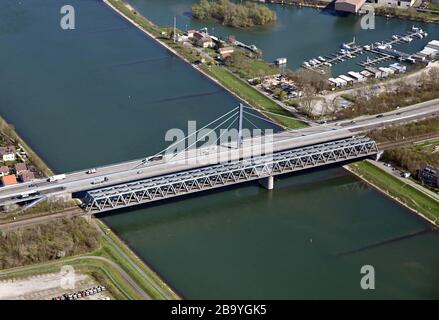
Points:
(9, 131)
(92, 249)
(253, 97)
(223, 76)
(394, 187)
(152, 283)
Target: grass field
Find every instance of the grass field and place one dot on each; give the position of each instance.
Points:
(154, 285)
(253, 97)
(398, 189)
(433, 6)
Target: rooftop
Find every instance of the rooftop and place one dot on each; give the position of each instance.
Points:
(9, 180)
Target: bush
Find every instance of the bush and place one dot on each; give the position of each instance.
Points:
(235, 15)
(58, 238)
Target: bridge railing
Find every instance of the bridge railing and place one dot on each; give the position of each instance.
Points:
(167, 186)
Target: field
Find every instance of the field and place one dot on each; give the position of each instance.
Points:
(253, 97)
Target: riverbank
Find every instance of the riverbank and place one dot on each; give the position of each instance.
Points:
(227, 80)
(9, 131)
(411, 14)
(111, 263)
(411, 198)
(111, 247)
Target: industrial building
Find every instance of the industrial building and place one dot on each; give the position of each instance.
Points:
(352, 6)
(429, 175)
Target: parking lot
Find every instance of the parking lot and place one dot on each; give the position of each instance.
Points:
(49, 286)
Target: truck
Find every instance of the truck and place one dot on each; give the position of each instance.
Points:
(91, 171)
(99, 181)
(57, 177)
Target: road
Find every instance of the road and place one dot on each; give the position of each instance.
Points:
(171, 163)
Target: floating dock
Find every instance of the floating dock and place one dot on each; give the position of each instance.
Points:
(381, 51)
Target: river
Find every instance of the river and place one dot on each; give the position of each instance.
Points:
(105, 93)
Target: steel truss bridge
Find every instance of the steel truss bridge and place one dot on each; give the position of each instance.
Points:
(220, 175)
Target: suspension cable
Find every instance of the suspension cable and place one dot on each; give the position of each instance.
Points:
(232, 116)
(183, 139)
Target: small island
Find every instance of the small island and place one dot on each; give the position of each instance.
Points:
(234, 15)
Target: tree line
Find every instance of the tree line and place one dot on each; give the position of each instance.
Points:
(235, 15)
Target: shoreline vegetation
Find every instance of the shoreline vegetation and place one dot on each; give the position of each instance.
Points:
(411, 14)
(411, 198)
(86, 244)
(244, 15)
(9, 131)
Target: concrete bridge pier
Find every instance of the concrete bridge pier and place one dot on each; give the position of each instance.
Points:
(378, 155)
(267, 183)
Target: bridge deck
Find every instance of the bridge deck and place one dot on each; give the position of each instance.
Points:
(215, 176)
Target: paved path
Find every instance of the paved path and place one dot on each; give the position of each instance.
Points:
(147, 277)
(122, 272)
(397, 174)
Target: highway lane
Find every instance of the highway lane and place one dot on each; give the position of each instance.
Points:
(134, 170)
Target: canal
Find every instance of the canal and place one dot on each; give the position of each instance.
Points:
(105, 93)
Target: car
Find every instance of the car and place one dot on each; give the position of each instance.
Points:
(91, 171)
(380, 116)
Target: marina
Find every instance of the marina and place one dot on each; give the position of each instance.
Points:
(380, 52)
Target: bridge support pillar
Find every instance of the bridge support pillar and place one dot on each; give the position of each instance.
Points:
(378, 155)
(267, 183)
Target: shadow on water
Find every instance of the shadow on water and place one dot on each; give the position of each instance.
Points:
(189, 96)
(388, 241)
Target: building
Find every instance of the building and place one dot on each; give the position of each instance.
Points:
(9, 180)
(26, 176)
(351, 6)
(280, 61)
(395, 3)
(4, 170)
(350, 81)
(19, 167)
(7, 153)
(398, 67)
(357, 76)
(225, 52)
(429, 175)
(375, 72)
(431, 50)
(205, 42)
(190, 33)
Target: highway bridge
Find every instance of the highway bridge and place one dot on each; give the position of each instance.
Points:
(141, 181)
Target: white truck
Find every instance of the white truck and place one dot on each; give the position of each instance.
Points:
(57, 177)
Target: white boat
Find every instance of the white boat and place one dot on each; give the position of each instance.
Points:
(321, 59)
(415, 28)
(395, 37)
(306, 64)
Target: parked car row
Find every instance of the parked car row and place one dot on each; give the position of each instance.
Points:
(81, 294)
